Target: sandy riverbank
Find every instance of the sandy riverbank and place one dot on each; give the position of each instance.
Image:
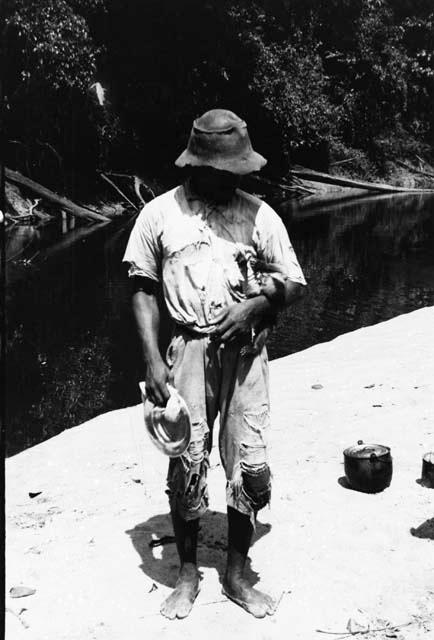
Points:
(83, 542)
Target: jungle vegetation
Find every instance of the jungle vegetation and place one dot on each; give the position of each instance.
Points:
(91, 84)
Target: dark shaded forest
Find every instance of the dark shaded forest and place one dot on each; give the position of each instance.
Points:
(97, 84)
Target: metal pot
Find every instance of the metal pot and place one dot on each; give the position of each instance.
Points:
(368, 467)
(427, 479)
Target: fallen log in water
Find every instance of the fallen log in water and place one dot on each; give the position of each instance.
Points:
(423, 164)
(339, 162)
(298, 187)
(63, 203)
(414, 170)
(138, 183)
(326, 178)
(119, 191)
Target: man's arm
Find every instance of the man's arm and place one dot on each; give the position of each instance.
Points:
(147, 316)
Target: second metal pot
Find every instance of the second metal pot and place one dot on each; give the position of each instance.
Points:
(427, 479)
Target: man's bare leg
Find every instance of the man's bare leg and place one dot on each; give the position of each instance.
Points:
(180, 601)
(235, 587)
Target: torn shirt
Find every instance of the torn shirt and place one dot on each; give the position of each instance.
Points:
(197, 250)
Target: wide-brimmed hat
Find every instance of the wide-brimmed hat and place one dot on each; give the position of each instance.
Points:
(169, 427)
(220, 139)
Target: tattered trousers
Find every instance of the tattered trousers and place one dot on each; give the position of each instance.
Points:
(217, 379)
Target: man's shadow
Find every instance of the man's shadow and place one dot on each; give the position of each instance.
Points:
(160, 563)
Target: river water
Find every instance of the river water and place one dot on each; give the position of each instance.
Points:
(72, 352)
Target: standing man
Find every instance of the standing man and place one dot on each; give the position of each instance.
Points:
(205, 243)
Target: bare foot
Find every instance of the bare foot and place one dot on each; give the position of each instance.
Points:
(256, 602)
(180, 601)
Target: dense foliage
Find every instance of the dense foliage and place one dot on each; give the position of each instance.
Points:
(315, 79)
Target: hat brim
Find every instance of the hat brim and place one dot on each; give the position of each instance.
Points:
(240, 166)
(170, 443)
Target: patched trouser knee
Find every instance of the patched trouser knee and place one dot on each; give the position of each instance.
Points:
(250, 488)
(187, 477)
(257, 485)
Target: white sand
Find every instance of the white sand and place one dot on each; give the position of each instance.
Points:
(83, 542)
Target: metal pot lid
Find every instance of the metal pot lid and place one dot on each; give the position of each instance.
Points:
(362, 450)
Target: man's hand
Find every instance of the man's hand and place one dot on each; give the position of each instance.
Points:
(157, 376)
(239, 319)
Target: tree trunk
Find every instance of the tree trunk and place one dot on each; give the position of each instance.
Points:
(326, 178)
(63, 203)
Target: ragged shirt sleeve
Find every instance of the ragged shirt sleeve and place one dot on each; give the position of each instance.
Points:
(274, 245)
(143, 252)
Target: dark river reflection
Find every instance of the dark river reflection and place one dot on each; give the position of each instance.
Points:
(72, 352)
